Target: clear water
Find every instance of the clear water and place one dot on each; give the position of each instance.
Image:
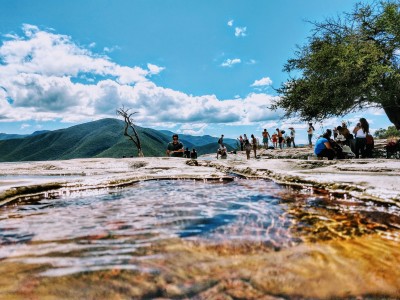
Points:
(131, 229)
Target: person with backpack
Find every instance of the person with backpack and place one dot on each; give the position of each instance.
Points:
(221, 140)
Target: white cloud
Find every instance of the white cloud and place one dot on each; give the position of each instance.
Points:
(30, 29)
(230, 62)
(110, 49)
(240, 31)
(92, 45)
(44, 73)
(193, 129)
(11, 36)
(262, 82)
(154, 69)
(23, 126)
(48, 54)
(230, 23)
(271, 125)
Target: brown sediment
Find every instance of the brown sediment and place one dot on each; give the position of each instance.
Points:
(360, 267)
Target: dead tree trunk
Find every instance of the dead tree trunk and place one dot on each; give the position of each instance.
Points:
(134, 136)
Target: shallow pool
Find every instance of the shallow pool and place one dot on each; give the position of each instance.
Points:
(199, 239)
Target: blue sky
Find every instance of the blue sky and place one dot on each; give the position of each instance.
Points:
(196, 67)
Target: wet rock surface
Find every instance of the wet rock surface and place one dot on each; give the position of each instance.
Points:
(374, 179)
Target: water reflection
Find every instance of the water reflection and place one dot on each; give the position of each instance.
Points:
(153, 226)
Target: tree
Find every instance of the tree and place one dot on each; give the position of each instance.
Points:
(349, 63)
(387, 133)
(134, 136)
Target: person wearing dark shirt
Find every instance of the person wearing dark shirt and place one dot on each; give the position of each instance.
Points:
(193, 154)
(175, 148)
(187, 153)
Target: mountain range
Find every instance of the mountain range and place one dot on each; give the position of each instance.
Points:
(5, 136)
(101, 138)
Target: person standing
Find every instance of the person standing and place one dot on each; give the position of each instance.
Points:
(245, 138)
(310, 132)
(275, 140)
(221, 140)
(254, 144)
(361, 131)
(265, 136)
(241, 141)
(292, 136)
(247, 148)
(175, 148)
(280, 137)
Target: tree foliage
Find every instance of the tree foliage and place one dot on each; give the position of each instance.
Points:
(390, 132)
(350, 63)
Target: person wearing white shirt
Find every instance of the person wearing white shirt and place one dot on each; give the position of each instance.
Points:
(361, 131)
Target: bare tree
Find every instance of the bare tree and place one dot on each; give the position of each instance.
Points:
(134, 136)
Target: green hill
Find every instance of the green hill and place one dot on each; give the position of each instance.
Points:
(102, 138)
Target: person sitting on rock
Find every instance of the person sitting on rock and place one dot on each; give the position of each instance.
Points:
(222, 151)
(323, 146)
(340, 138)
(187, 153)
(193, 154)
(175, 148)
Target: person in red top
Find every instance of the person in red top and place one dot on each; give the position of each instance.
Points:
(275, 140)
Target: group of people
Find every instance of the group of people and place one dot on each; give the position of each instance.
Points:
(345, 144)
(278, 139)
(247, 145)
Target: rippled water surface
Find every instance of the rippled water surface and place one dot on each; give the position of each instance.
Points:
(185, 238)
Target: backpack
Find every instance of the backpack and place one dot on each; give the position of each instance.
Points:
(370, 139)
